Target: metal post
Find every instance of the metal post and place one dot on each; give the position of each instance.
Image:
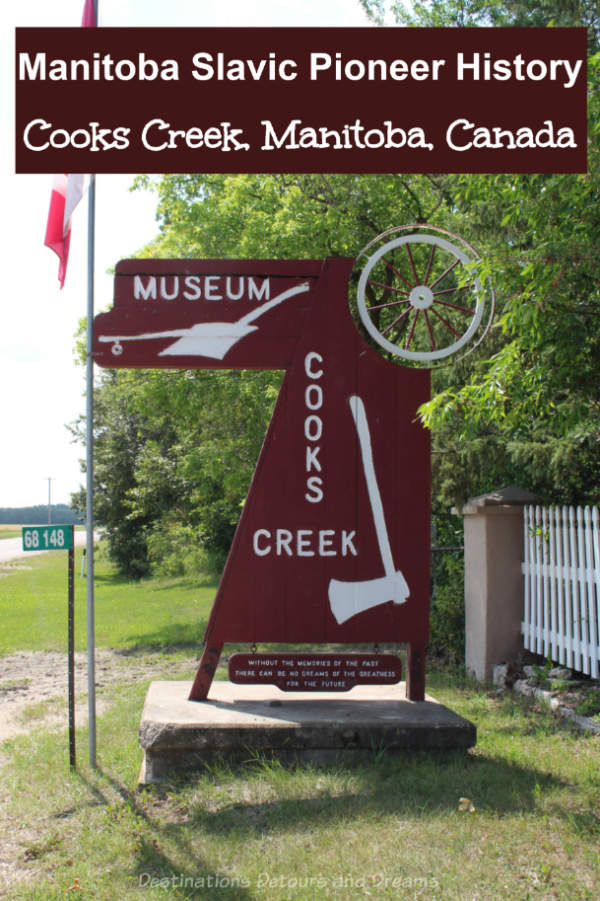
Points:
(71, 650)
(89, 459)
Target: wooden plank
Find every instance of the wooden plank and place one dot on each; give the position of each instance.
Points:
(596, 546)
(560, 585)
(592, 656)
(545, 620)
(576, 566)
(570, 655)
(574, 589)
(538, 583)
(527, 594)
(554, 648)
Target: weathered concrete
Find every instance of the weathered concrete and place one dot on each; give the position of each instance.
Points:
(237, 721)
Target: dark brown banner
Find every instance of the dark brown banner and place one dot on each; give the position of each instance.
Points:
(301, 100)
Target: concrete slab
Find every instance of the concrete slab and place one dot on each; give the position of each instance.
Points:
(237, 721)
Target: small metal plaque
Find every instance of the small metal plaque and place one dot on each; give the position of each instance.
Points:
(313, 671)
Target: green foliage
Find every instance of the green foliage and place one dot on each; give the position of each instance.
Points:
(120, 434)
(528, 405)
(524, 407)
(590, 705)
(174, 549)
(473, 13)
(434, 13)
(447, 614)
(541, 673)
(285, 216)
(175, 452)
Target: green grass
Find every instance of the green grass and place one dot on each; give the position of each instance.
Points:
(148, 615)
(390, 827)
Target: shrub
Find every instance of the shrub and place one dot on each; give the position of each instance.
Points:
(447, 622)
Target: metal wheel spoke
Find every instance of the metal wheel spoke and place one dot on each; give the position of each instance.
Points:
(451, 290)
(387, 287)
(446, 303)
(430, 263)
(396, 321)
(412, 263)
(447, 324)
(412, 331)
(433, 347)
(444, 274)
(392, 303)
(396, 272)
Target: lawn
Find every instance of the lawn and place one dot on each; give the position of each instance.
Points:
(390, 827)
(135, 615)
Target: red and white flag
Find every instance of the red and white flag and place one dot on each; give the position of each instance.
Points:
(89, 16)
(67, 191)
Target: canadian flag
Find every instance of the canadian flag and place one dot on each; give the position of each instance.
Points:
(89, 15)
(67, 191)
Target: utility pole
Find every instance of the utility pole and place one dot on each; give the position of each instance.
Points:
(50, 480)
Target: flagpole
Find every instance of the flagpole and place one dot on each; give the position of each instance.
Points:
(89, 461)
(89, 467)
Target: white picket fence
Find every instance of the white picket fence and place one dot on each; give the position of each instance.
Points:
(561, 569)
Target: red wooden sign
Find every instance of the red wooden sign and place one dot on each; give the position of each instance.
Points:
(333, 542)
(315, 672)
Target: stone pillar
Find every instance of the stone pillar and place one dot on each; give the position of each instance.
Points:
(493, 579)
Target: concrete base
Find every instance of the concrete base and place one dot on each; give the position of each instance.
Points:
(239, 721)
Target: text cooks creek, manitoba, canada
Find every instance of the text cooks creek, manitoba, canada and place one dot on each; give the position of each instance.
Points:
(159, 135)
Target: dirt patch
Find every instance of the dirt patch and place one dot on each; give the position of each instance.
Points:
(31, 677)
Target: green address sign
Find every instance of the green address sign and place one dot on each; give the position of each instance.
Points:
(47, 538)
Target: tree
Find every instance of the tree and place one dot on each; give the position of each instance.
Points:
(123, 436)
(286, 216)
(532, 406)
(473, 13)
(525, 408)
(522, 408)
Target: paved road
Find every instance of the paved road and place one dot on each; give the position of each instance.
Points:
(12, 548)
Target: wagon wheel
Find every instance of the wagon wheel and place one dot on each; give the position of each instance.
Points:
(419, 296)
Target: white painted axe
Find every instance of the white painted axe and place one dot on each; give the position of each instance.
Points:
(346, 599)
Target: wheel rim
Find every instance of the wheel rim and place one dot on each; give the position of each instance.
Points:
(418, 299)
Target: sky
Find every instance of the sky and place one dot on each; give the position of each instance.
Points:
(41, 385)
